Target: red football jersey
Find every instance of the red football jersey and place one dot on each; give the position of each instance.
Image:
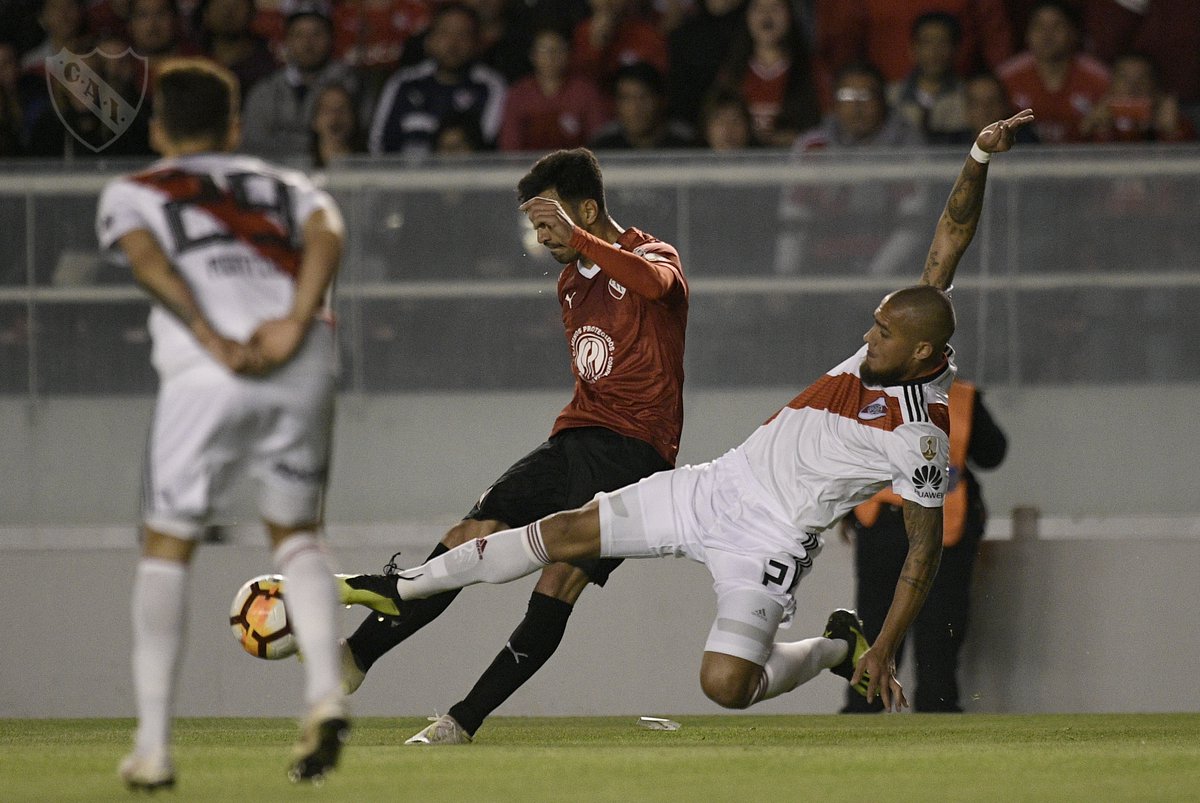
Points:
(626, 349)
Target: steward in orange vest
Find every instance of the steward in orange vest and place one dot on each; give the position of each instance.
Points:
(881, 545)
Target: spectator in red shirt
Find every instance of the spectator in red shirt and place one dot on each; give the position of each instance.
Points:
(769, 65)
(551, 109)
(616, 34)
(1136, 109)
(877, 31)
(371, 35)
(1168, 31)
(1052, 76)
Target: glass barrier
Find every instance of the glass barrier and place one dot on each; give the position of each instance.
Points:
(1084, 270)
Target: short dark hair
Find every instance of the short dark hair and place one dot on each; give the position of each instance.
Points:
(931, 310)
(195, 99)
(644, 73)
(862, 68)
(947, 20)
(317, 9)
(574, 174)
(465, 122)
(1066, 9)
(443, 10)
(724, 97)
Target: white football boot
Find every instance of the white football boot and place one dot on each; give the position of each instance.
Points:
(442, 730)
(148, 771)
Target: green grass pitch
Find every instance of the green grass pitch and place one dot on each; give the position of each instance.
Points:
(1094, 757)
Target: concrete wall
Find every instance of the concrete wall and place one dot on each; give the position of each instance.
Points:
(1075, 451)
(1060, 626)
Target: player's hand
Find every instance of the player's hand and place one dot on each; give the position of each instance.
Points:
(880, 668)
(230, 353)
(548, 214)
(273, 343)
(1000, 135)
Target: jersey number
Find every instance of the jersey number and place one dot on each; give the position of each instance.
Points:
(259, 224)
(777, 573)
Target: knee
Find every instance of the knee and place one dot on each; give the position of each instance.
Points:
(470, 529)
(573, 534)
(563, 582)
(728, 689)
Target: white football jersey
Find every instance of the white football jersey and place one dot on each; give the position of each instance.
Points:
(232, 227)
(840, 441)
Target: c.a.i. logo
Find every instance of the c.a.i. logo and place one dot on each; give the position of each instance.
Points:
(96, 95)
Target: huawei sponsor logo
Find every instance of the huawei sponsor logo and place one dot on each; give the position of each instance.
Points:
(928, 480)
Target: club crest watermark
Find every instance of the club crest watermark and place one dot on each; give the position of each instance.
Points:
(97, 95)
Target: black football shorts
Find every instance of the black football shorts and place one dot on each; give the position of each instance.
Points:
(565, 472)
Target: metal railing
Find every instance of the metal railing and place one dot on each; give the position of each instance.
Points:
(1086, 269)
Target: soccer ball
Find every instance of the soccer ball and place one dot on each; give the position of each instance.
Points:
(259, 619)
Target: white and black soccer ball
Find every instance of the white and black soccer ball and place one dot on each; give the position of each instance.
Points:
(259, 618)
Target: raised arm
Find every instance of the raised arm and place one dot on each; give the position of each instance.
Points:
(651, 278)
(956, 227)
(924, 528)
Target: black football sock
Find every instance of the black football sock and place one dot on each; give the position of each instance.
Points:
(528, 648)
(378, 633)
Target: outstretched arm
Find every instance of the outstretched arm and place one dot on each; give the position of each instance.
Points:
(924, 528)
(956, 227)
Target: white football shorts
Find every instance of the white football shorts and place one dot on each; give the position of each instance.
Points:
(717, 514)
(212, 428)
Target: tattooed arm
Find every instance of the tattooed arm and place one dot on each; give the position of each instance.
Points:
(924, 528)
(956, 226)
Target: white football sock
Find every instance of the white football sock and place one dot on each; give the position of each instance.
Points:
(794, 662)
(159, 614)
(499, 558)
(311, 598)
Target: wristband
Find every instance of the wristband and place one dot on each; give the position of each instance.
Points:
(980, 155)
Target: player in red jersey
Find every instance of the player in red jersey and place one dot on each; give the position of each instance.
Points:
(754, 516)
(624, 309)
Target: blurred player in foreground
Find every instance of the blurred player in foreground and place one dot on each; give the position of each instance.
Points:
(624, 310)
(239, 257)
(755, 515)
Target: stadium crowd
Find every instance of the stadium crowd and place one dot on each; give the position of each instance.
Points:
(322, 80)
